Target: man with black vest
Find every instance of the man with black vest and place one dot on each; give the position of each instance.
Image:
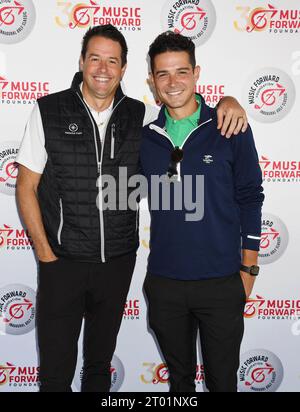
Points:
(86, 254)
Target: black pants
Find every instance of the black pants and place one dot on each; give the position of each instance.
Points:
(67, 292)
(215, 307)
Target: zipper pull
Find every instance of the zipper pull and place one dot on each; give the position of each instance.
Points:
(99, 167)
(112, 141)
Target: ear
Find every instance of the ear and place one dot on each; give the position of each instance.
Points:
(81, 63)
(197, 71)
(151, 80)
(123, 70)
(151, 83)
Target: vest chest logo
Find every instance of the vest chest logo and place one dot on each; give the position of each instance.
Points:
(208, 159)
(73, 129)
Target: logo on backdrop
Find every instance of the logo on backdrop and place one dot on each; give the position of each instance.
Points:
(132, 309)
(14, 239)
(8, 167)
(117, 374)
(18, 376)
(84, 15)
(21, 92)
(212, 93)
(191, 18)
(268, 19)
(269, 95)
(280, 171)
(17, 309)
(274, 239)
(260, 371)
(159, 374)
(17, 19)
(275, 309)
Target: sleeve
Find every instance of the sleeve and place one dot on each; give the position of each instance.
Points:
(151, 114)
(32, 152)
(248, 188)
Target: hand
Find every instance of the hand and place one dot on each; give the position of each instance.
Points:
(248, 282)
(48, 258)
(232, 117)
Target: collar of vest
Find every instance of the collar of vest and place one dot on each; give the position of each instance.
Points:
(78, 78)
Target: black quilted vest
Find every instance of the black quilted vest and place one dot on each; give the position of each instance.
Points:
(68, 191)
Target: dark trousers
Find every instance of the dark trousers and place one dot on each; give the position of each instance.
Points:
(67, 292)
(215, 307)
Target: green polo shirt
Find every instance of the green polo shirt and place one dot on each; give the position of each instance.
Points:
(178, 130)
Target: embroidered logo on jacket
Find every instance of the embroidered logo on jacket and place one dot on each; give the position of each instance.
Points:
(73, 129)
(208, 159)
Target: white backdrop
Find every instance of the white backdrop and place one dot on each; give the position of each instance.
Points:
(246, 48)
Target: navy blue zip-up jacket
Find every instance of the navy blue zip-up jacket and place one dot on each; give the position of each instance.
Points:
(232, 196)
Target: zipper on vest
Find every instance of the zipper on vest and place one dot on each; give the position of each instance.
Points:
(99, 170)
(102, 233)
(137, 217)
(165, 134)
(61, 223)
(112, 140)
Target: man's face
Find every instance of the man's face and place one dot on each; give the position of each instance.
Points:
(174, 79)
(102, 68)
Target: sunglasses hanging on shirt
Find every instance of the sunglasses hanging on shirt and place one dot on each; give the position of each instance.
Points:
(176, 157)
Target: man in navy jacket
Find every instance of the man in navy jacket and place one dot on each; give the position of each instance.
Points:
(202, 265)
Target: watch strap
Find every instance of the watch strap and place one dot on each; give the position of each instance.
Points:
(252, 270)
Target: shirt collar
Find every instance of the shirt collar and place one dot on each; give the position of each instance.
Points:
(193, 118)
(105, 112)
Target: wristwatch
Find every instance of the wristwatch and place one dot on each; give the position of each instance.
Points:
(252, 270)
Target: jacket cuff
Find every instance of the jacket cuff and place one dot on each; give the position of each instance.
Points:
(251, 242)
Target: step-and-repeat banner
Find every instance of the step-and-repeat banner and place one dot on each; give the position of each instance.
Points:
(246, 48)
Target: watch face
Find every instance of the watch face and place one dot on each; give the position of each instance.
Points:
(254, 270)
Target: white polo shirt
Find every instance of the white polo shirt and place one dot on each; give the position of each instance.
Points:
(32, 152)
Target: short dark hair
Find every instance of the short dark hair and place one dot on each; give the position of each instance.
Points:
(109, 32)
(170, 41)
